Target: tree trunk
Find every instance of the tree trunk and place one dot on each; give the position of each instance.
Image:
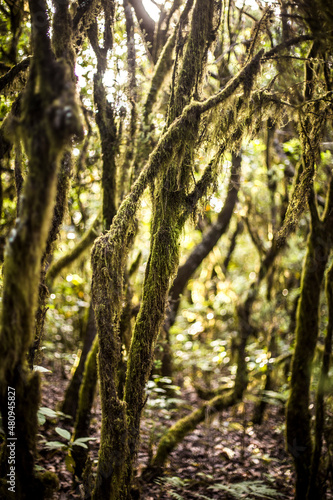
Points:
(45, 130)
(298, 419)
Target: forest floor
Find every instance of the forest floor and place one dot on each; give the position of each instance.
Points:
(224, 458)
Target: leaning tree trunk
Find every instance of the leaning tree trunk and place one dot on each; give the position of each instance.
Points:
(50, 117)
(121, 419)
(168, 170)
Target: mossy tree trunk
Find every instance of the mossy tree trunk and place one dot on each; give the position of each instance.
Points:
(314, 491)
(121, 419)
(109, 143)
(196, 257)
(169, 173)
(50, 117)
(62, 46)
(298, 419)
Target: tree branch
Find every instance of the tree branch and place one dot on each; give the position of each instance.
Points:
(146, 23)
(10, 76)
(65, 260)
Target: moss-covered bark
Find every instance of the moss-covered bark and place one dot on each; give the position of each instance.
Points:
(298, 420)
(168, 170)
(58, 215)
(49, 118)
(184, 426)
(105, 118)
(314, 491)
(120, 426)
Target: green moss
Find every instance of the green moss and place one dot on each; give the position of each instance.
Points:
(184, 426)
(50, 117)
(162, 68)
(49, 483)
(298, 420)
(195, 55)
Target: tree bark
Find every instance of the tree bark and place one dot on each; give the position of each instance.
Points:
(298, 420)
(46, 129)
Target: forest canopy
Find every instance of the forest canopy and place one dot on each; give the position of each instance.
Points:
(166, 216)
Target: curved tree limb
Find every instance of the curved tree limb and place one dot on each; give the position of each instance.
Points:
(65, 260)
(146, 23)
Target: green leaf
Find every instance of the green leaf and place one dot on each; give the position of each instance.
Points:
(41, 418)
(235, 426)
(63, 415)
(63, 433)
(47, 412)
(55, 445)
(79, 443)
(165, 380)
(283, 397)
(84, 439)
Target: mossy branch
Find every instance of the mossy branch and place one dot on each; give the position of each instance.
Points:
(162, 68)
(184, 426)
(10, 76)
(67, 259)
(163, 64)
(163, 151)
(146, 23)
(303, 182)
(86, 14)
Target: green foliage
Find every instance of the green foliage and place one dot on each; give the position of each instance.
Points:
(67, 446)
(44, 413)
(249, 490)
(182, 156)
